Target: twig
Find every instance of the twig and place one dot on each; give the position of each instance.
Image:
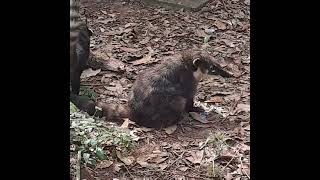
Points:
(238, 149)
(180, 156)
(78, 166)
(241, 168)
(128, 171)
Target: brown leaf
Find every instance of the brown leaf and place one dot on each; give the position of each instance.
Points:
(89, 73)
(196, 116)
(243, 107)
(214, 99)
(130, 50)
(159, 159)
(220, 25)
(176, 146)
(145, 60)
(143, 161)
(145, 40)
(229, 176)
(130, 25)
(163, 166)
(196, 157)
(183, 168)
(118, 88)
(125, 124)
(104, 164)
(126, 160)
(200, 33)
(117, 167)
(228, 42)
(106, 21)
(170, 129)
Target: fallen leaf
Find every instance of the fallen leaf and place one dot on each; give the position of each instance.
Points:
(196, 157)
(183, 168)
(118, 88)
(130, 50)
(206, 39)
(243, 107)
(117, 167)
(102, 29)
(159, 159)
(176, 146)
(143, 161)
(220, 25)
(170, 129)
(125, 124)
(145, 60)
(145, 40)
(130, 25)
(214, 99)
(196, 116)
(229, 176)
(106, 21)
(163, 166)
(126, 160)
(89, 73)
(200, 33)
(104, 164)
(228, 42)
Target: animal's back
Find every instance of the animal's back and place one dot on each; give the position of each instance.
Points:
(157, 98)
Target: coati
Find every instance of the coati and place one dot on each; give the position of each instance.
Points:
(79, 55)
(160, 96)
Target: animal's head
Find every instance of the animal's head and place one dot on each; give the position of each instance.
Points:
(202, 65)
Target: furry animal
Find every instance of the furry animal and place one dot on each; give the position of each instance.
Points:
(160, 96)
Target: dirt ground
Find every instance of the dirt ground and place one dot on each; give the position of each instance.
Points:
(129, 37)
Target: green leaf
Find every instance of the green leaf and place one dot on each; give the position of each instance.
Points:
(100, 154)
(206, 39)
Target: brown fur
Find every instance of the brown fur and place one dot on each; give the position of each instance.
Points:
(161, 95)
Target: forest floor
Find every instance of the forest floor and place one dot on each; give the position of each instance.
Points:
(129, 37)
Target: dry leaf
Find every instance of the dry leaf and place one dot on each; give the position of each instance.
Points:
(196, 116)
(200, 33)
(183, 168)
(228, 42)
(170, 129)
(243, 107)
(145, 60)
(229, 176)
(130, 25)
(145, 40)
(214, 99)
(143, 161)
(130, 50)
(196, 157)
(89, 73)
(117, 167)
(163, 166)
(125, 124)
(104, 164)
(118, 88)
(220, 25)
(126, 160)
(176, 146)
(158, 160)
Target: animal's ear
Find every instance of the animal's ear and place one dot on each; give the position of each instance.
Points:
(90, 32)
(196, 62)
